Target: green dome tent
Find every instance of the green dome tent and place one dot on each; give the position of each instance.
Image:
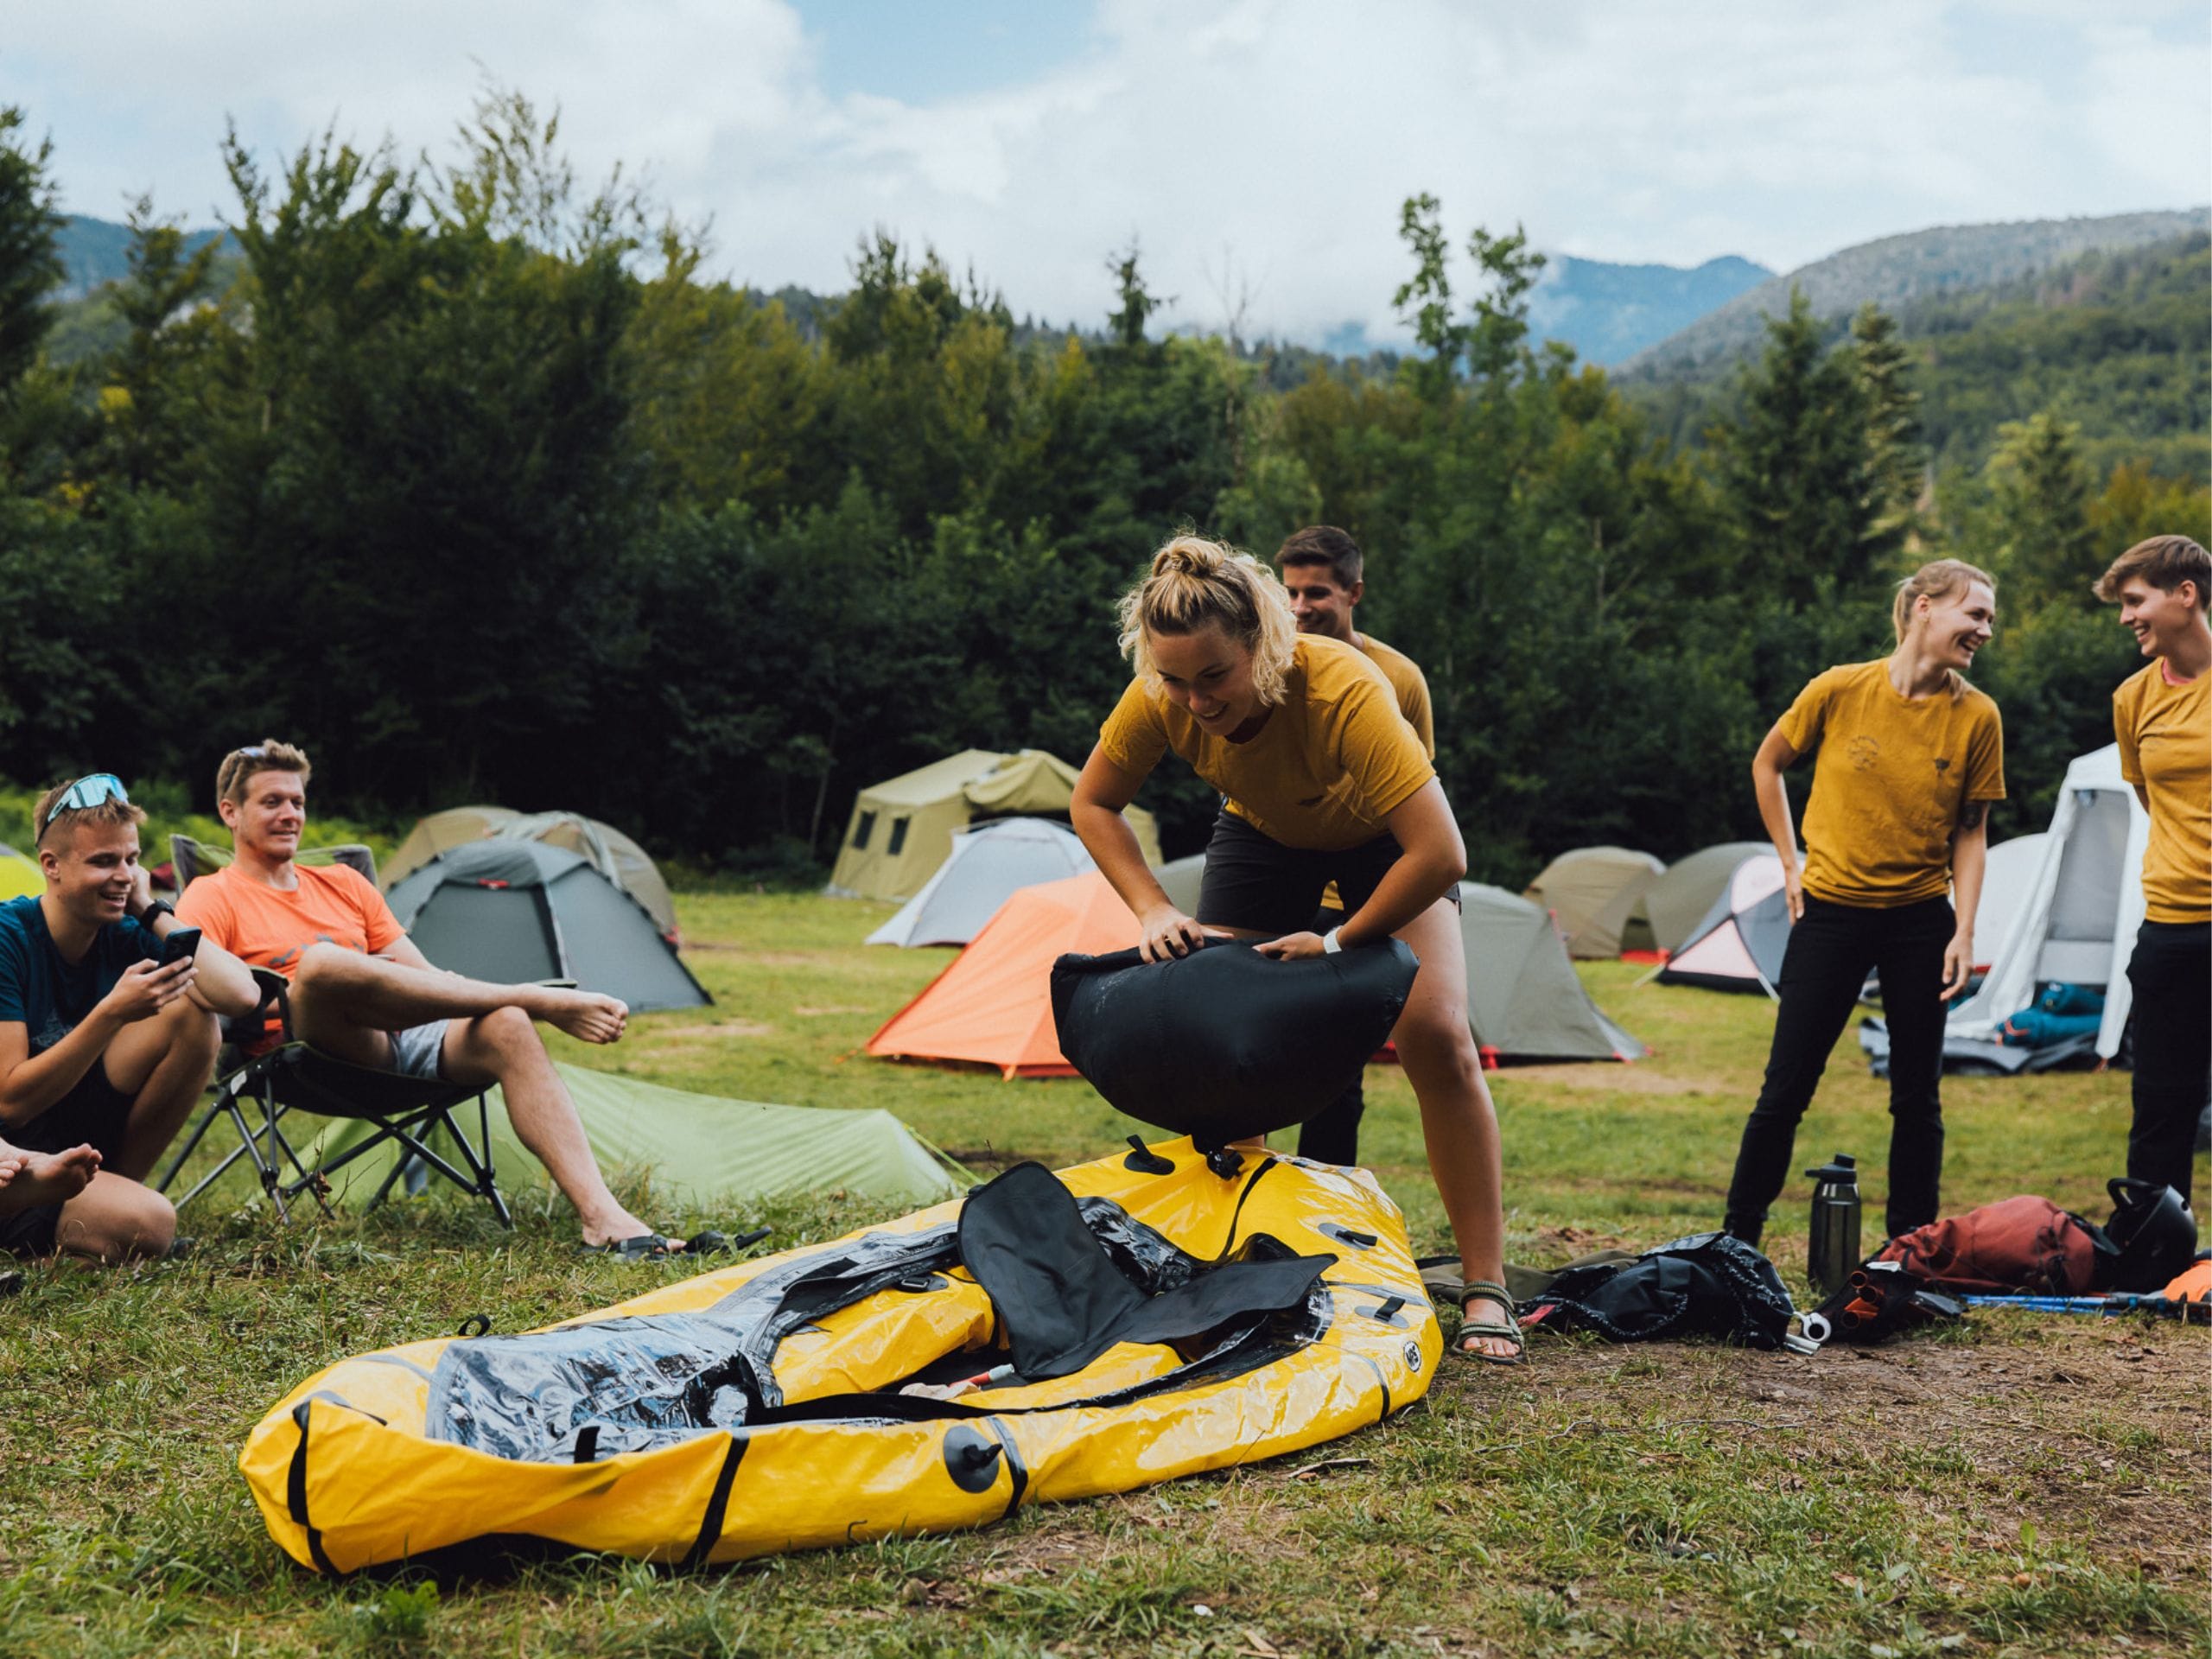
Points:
(19, 876)
(698, 1148)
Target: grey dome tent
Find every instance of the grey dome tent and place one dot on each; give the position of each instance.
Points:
(988, 862)
(1674, 906)
(1179, 878)
(618, 858)
(1739, 946)
(517, 911)
(1590, 892)
(1524, 1000)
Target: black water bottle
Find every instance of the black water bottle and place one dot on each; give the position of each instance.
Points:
(1832, 1248)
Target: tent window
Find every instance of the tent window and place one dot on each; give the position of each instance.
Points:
(862, 831)
(898, 837)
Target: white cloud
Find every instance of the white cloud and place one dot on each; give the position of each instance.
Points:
(1282, 134)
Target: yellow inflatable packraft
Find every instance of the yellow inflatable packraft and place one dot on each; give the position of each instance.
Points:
(1124, 1322)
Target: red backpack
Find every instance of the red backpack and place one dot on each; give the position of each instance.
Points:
(2023, 1246)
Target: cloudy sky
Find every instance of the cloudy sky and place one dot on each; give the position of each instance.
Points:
(1253, 147)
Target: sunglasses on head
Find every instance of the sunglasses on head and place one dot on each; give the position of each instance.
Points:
(95, 789)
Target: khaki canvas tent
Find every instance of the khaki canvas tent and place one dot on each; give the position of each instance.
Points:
(1590, 892)
(989, 862)
(19, 876)
(513, 912)
(1676, 905)
(613, 853)
(901, 830)
(698, 1148)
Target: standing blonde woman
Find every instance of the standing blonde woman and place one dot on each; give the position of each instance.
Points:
(1321, 779)
(1910, 757)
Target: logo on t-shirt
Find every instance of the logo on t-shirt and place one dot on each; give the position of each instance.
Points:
(1943, 764)
(1863, 751)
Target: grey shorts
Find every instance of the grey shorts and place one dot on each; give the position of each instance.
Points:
(415, 1050)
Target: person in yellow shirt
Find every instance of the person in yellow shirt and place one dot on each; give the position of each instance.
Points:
(1322, 780)
(1910, 758)
(1326, 576)
(2162, 717)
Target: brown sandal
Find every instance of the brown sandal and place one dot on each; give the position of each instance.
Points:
(1509, 1331)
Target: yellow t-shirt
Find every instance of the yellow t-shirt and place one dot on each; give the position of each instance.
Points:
(2165, 746)
(1333, 761)
(1408, 681)
(1892, 775)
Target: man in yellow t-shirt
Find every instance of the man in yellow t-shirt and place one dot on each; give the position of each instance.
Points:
(1326, 574)
(2162, 717)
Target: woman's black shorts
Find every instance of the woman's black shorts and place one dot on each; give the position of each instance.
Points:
(1254, 882)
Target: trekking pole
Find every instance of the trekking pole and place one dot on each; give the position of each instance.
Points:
(2163, 1306)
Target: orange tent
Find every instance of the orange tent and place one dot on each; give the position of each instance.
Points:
(994, 1005)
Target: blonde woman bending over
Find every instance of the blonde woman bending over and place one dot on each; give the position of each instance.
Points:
(1322, 780)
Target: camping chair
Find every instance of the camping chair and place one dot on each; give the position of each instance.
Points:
(296, 1077)
(192, 859)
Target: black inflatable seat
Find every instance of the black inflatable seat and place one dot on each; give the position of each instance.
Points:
(1226, 1043)
(1068, 1280)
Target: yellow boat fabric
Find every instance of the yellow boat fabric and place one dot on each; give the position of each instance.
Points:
(349, 1472)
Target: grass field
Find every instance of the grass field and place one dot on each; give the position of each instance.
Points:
(2019, 1485)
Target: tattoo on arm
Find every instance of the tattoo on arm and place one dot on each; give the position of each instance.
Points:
(1974, 813)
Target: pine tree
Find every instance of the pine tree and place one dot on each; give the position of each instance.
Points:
(1896, 458)
(30, 256)
(2040, 490)
(1796, 466)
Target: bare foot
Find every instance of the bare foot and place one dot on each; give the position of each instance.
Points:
(587, 1016)
(622, 1225)
(32, 1179)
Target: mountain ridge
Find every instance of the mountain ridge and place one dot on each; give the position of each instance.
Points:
(1894, 271)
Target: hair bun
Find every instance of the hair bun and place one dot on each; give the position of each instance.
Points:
(1188, 556)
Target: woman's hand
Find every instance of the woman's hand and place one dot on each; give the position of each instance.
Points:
(1958, 962)
(1292, 947)
(1793, 889)
(1168, 932)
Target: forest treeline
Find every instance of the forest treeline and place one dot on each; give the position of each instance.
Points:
(470, 482)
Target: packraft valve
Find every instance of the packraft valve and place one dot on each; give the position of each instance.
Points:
(1831, 1245)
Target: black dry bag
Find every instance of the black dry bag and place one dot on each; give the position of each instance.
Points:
(1226, 1043)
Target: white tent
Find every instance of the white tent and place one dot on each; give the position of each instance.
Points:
(2005, 884)
(987, 864)
(1739, 944)
(2077, 918)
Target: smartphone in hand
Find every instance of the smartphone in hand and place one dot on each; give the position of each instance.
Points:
(178, 943)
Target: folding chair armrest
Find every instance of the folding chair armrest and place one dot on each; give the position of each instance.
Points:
(276, 992)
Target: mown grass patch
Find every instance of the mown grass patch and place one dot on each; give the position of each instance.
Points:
(2019, 1486)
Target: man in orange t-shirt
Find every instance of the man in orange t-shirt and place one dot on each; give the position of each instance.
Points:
(363, 992)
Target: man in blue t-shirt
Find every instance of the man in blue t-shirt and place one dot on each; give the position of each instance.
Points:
(103, 1050)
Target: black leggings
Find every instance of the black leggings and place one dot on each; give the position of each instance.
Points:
(1831, 948)
(2171, 972)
